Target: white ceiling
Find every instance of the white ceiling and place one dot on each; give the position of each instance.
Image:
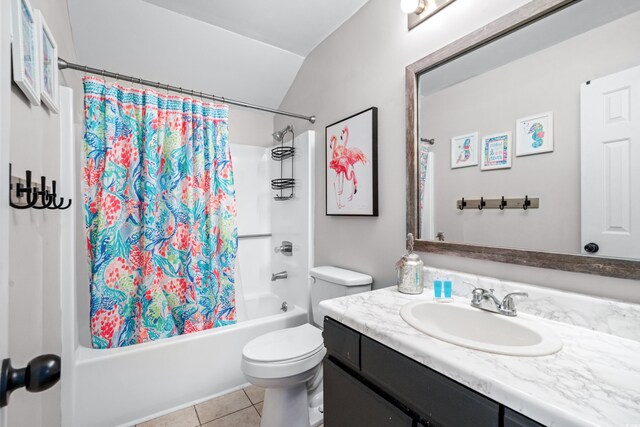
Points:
(293, 25)
(252, 55)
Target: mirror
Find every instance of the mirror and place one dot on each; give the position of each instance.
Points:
(521, 145)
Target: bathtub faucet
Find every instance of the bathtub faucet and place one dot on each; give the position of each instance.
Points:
(277, 276)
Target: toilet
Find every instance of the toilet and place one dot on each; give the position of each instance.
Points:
(288, 363)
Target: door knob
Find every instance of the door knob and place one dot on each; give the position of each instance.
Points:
(39, 375)
(591, 248)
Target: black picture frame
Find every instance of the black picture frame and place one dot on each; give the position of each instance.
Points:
(351, 166)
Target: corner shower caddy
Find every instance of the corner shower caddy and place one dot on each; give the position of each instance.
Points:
(280, 153)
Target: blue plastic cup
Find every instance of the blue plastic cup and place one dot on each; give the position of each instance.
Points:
(437, 288)
(447, 288)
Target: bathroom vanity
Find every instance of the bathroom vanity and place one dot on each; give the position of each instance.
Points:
(379, 371)
(368, 384)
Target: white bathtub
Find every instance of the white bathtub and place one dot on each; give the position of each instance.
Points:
(124, 386)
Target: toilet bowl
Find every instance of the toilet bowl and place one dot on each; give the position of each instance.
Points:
(288, 363)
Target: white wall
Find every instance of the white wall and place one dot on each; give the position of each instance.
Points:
(34, 298)
(362, 65)
(531, 86)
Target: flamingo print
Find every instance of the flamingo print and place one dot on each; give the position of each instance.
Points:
(342, 162)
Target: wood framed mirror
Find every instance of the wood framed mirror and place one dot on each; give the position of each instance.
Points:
(466, 52)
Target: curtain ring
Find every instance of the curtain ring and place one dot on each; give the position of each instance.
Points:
(117, 75)
(102, 73)
(85, 70)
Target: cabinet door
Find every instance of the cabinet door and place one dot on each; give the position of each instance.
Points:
(349, 403)
(342, 342)
(439, 400)
(514, 419)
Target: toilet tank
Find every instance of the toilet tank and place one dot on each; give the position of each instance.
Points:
(333, 282)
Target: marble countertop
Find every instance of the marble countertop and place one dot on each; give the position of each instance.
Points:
(593, 381)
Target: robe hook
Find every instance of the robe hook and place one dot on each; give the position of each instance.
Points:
(45, 197)
(526, 203)
(503, 203)
(482, 203)
(463, 204)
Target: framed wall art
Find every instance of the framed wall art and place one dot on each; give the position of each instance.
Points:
(351, 165)
(25, 51)
(534, 134)
(464, 150)
(48, 65)
(496, 151)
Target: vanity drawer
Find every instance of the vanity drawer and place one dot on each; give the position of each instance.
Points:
(436, 398)
(342, 343)
(513, 419)
(362, 407)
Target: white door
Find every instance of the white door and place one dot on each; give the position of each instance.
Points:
(5, 88)
(610, 156)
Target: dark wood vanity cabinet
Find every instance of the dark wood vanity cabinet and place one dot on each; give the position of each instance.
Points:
(369, 384)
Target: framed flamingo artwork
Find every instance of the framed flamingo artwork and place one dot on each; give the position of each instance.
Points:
(351, 166)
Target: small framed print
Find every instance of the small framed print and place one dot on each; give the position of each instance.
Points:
(48, 65)
(25, 51)
(534, 134)
(496, 151)
(464, 150)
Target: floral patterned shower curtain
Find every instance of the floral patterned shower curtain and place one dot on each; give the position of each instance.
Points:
(160, 215)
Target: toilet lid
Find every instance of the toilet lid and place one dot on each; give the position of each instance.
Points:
(285, 344)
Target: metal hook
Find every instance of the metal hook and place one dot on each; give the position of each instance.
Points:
(44, 195)
(23, 189)
(463, 204)
(526, 203)
(503, 203)
(482, 203)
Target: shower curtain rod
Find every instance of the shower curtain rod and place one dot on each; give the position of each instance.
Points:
(63, 64)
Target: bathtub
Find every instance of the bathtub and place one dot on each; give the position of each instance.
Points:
(125, 386)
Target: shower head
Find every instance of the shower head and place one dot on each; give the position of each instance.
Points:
(280, 134)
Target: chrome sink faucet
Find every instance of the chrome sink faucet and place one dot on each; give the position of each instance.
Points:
(486, 300)
(278, 276)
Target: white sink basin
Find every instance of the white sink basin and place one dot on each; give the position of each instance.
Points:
(481, 330)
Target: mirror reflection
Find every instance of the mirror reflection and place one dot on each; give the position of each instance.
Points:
(530, 142)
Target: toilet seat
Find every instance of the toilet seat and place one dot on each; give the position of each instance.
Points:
(283, 353)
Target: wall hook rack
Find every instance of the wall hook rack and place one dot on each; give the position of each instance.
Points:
(502, 203)
(23, 194)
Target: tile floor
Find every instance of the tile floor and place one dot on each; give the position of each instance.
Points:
(240, 408)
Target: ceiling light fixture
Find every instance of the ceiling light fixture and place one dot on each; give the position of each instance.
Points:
(413, 6)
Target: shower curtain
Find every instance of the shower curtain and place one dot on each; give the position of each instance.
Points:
(160, 214)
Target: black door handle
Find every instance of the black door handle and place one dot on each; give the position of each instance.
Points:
(40, 374)
(592, 248)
